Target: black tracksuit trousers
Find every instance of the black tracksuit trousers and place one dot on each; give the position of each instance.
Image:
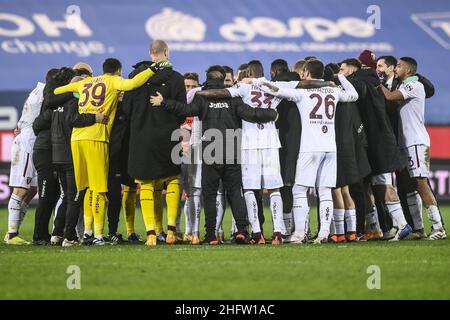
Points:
(231, 176)
(74, 200)
(49, 192)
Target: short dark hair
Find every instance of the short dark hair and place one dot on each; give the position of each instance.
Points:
(307, 58)
(51, 74)
(315, 68)
(255, 68)
(389, 60)
(111, 65)
(411, 62)
(279, 66)
(216, 68)
(64, 75)
(242, 71)
(228, 69)
(82, 72)
(191, 76)
(352, 62)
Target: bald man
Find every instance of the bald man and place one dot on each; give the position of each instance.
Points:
(151, 145)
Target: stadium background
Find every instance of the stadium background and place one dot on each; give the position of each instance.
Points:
(36, 35)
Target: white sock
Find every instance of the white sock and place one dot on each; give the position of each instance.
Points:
(99, 237)
(332, 227)
(396, 212)
(23, 211)
(326, 211)
(252, 211)
(338, 217)
(276, 206)
(80, 224)
(187, 217)
(415, 208)
(195, 208)
(287, 219)
(14, 213)
(372, 219)
(233, 226)
(306, 224)
(220, 209)
(350, 219)
(434, 216)
(88, 232)
(300, 209)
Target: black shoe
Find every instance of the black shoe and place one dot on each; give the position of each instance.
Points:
(211, 240)
(233, 238)
(40, 243)
(242, 238)
(87, 239)
(116, 238)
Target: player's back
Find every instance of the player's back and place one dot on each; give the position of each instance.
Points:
(257, 135)
(317, 111)
(95, 93)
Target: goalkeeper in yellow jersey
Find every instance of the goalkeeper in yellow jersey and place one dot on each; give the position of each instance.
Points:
(90, 144)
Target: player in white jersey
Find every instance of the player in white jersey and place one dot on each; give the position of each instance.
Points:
(414, 139)
(316, 164)
(23, 175)
(260, 155)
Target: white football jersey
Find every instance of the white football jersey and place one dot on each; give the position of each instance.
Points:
(259, 135)
(30, 111)
(317, 109)
(412, 115)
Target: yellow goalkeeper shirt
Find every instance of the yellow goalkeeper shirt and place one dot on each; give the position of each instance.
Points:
(101, 92)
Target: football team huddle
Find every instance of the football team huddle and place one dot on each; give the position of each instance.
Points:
(340, 132)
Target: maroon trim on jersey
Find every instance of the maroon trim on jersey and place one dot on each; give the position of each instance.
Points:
(26, 165)
(417, 157)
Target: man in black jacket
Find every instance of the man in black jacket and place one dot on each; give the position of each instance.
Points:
(42, 158)
(220, 117)
(151, 146)
(383, 152)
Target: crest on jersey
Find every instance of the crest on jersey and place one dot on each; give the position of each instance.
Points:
(172, 25)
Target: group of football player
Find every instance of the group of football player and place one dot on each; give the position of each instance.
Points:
(338, 132)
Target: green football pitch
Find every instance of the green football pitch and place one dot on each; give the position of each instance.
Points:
(405, 270)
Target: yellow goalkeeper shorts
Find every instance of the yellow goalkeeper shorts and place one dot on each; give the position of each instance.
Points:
(90, 163)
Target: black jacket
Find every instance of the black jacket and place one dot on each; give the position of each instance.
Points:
(221, 115)
(60, 123)
(289, 128)
(50, 102)
(151, 128)
(383, 152)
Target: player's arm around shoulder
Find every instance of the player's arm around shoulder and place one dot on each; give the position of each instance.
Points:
(250, 114)
(141, 78)
(349, 93)
(71, 87)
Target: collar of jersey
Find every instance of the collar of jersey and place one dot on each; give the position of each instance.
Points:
(410, 79)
